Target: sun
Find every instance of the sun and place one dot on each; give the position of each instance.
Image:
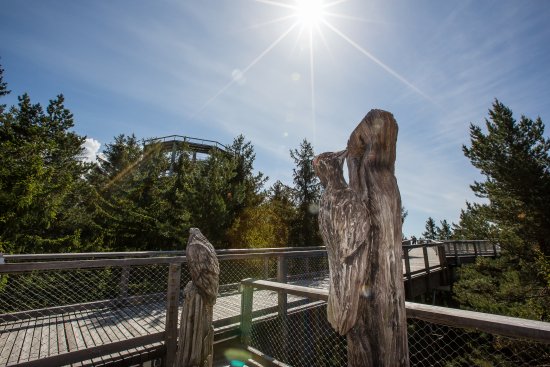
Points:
(309, 13)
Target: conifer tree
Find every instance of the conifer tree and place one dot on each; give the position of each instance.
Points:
(431, 229)
(513, 156)
(307, 191)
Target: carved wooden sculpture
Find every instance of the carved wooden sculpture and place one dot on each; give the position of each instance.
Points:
(361, 227)
(196, 334)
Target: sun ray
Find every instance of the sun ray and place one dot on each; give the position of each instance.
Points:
(245, 70)
(350, 17)
(312, 84)
(274, 21)
(329, 5)
(276, 3)
(378, 62)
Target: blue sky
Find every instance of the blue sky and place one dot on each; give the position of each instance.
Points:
(218, 68)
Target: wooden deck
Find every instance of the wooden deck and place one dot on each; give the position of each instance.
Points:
(39, 337)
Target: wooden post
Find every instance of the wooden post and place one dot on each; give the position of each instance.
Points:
(246, 313)
(408, 273)
(266, 268)
(443, 264)
(196, 334)
(426, 267)
(495, 250)
(361, 227)
(123, 284)
(172, 303)
(282, 273)
(457, 261)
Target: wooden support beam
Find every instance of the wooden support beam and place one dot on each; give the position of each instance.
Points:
(172, 303)
(247, 294)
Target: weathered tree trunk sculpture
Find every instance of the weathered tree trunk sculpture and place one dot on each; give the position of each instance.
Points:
(196, 334)
(361, 227)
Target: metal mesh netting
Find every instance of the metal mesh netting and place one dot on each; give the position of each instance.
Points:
(50, 312)
(303, 337)
(440, 345)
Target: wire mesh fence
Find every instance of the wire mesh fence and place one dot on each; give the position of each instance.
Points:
(297, 333)
(84, 304)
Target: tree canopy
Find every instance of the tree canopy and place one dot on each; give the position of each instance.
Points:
(514, 159)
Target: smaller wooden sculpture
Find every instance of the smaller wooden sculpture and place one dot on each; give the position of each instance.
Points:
(196, 334)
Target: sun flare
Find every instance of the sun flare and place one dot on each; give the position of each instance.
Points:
(310, 13)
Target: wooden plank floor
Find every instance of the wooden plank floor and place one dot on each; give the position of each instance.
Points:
(40, 337)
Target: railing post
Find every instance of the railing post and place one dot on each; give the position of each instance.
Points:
(172, 303)
(457, 263)
(443, 264)
(282, 272)
(475, 249)
(426, 267)
(123, 284)
(247, 298)
(266, 267)
(494, 250)
(408, 272)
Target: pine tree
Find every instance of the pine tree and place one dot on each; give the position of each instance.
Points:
(40, 173)
(514, 158)
(307, 191)
(444, 232)
(431, 230)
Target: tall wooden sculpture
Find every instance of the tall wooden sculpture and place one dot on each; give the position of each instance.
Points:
(361, 227)
(196, 334)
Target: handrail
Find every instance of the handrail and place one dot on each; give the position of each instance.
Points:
(185, 139)
(88, 264)
(137, 254)
(495, 324)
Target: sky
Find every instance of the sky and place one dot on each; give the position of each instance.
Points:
(280, 71)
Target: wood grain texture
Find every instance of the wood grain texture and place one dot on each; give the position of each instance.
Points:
(361, 226)
(196, 334)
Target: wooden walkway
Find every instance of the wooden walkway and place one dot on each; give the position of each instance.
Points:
(40, 337)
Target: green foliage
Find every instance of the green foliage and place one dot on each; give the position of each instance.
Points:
(431, 230)
(514, 158)
(135, 197)
(40, 170)
(444, 232)
(499, 286)
(307, 191)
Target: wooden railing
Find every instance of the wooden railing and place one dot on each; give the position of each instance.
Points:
(173, 261)
(526, 331)
(27, 265)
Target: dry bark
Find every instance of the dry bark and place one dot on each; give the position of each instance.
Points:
(361, 226)
(196, 334)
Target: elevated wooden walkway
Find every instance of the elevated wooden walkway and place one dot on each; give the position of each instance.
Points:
(133, 329)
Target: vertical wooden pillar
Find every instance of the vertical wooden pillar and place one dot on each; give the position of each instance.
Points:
(266, 267)
(123, 284)
(247, 300)
(408, 274)
(282, 274)
(172, 303)
(426, 267)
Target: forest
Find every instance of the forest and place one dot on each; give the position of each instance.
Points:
(54, 201)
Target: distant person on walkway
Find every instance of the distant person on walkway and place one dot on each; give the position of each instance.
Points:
(413, 240)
